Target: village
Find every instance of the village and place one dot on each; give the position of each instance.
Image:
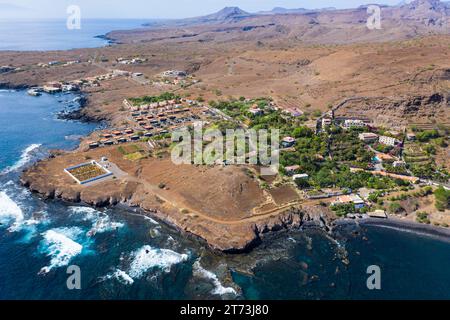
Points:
(348, 165)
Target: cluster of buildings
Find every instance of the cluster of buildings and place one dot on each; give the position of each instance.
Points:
(369, 137)
(54, 87)
(75, 85)
(131, 61)
(154, 119)
(109, 138)
(353, 123)
(354, 199)
(58, 63)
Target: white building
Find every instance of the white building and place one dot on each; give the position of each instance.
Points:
(368, 137)
(300, 176)
(326, 122)
(389, 141)
(256, 111)
(353, 123)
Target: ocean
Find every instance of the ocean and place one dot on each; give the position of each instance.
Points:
(41, 35)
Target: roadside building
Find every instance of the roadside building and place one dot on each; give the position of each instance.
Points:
(256, 111)
(389, 141)
(378, 214)
(350, 123)
(288, 142)
(368, 137)
(300, 176)
(352, 198)
(326, 122)
(410, 137)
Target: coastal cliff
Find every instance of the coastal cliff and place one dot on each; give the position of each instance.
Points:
(231, 236)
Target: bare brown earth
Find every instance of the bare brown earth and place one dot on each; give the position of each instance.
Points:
(297, 75)
(399, 75)
(223, 205)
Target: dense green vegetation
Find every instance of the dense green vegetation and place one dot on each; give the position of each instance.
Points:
(442, 197)
(312, 151)
(152, 99)
(427, 135)
(345, 146)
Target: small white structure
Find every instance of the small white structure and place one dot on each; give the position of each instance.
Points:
(368, 137)
(326, 122)
(256, 111)
(378, 214)
(353, 123)
(300, 176)
(288, 142)
(389, 141)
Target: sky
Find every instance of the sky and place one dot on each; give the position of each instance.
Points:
(157, 9)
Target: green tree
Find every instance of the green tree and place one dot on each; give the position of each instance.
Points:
(442, 197)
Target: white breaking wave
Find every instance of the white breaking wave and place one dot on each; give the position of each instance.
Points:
(219, 289)
(121, 276)
(24, 158)
(101, 222)
(147, 258)
(9, 210)
(104, 224)
(59, 244)
(86, 212)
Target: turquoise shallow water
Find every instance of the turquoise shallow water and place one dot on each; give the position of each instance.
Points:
(123, 255)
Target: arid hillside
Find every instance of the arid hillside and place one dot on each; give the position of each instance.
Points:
(312, 60)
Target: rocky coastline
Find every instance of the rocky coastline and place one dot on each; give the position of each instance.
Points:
(224, 238)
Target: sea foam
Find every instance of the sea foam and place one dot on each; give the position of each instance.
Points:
(9, 210)
(120, 276)
(147, 258)
(24, 158)
(219, 289)
(101, 222)
(59, 244)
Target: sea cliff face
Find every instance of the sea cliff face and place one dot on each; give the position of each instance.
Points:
(230, 237)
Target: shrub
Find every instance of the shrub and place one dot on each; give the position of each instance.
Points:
(422, 217)
(395, 207)
(442, 197)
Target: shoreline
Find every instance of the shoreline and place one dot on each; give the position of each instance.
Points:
(416, 228)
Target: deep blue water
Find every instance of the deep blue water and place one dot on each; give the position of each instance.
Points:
(123, 255)
(54, 35)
